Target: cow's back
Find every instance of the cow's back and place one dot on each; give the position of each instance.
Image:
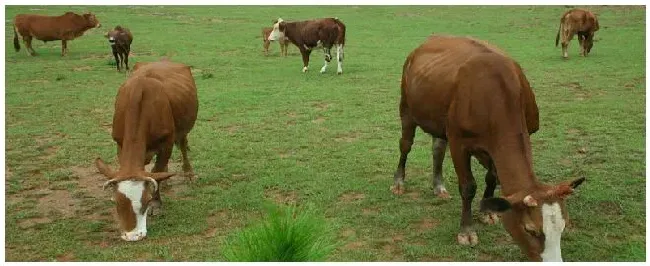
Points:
(47, 28)
(430, 78)
(179, 87)
(580, 20)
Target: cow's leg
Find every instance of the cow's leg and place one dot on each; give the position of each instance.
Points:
(305, 58)
(28, 44)
(267, 43)
(490, 186)
(64, 47)
(285, 47)
(438, 152)
(339, 58)
(328, 58)
(581, 40)
(567, 35)
(187, 167)
(126, 58)
(405, 143)
(467, 188)
(117, 59)
(162, 159)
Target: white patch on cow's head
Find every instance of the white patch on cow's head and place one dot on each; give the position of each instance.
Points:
(553, 224)
(276, 34)
(133, 191)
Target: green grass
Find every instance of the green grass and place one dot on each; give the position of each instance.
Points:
(287, 234)
(267, 132)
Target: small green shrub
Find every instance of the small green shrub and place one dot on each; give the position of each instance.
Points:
(287, 234)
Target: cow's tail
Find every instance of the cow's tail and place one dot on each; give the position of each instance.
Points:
(16, 42)
(342, 31)
(557, 36)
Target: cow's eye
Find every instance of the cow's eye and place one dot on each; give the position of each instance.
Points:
(533, 232)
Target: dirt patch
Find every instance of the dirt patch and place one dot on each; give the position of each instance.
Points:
(69, 256)
(49, 153)
(321, 106)
(348, 233)
(83, 68)
(427, 224)
(413, 195)
(89, 180)
(566, 162)
(59, 202)
(318, 120)
(223, 222)
(370, 211)
(351, 196)
(281, 197)
(350, 137)
(232, 129)
(354, 245)
(610, 208)
(30, 222)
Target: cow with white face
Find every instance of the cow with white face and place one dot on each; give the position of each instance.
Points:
(155, 108)
(309, 34)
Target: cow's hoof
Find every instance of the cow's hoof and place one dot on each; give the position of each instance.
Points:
(304, 69)
(339, 72)
(467, 238)
(397, 189)
(489, 218)
(441, 193)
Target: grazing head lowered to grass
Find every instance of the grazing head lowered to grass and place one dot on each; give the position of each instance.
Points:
(155, 108)
(472, 95)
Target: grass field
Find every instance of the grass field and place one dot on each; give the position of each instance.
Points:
(268, 133)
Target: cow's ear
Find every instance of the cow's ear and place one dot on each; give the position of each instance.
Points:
(495, 205)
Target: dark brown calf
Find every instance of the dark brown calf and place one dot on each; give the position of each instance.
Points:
(66, 27)
(476, 98)
(581, 22)
(120, 40)
(309, 34)
(284, 42)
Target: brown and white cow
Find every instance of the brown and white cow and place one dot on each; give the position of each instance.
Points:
(66, 27)
(581, 22)
(470, 94)
(155, 108)
(309, 34)
(284, 42)
(120, 39)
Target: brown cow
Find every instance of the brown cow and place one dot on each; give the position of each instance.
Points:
(284, 42)
(309, 34)
(155, 108)
(66, 28)
(581, 22)
(120, 39)
(472, 95)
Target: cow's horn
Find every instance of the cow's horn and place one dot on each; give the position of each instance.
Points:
(153, 181)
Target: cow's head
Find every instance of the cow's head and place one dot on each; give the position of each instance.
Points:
(535, 219)
(588, 43)
(278, 30)
(132, 195)
(91, 20)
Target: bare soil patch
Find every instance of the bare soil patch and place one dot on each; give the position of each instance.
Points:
(281, 197)
(349, 137)
(351, 196)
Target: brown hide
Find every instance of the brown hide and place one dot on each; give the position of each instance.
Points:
(120, 40)
(581, 22)
(284, 42)
(51, 28)
(473, 95)
(307, 34)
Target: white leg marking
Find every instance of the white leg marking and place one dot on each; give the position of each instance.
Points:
(339, 54)
(133, 191)
(553, 224)
(304, 69)
(322, 70)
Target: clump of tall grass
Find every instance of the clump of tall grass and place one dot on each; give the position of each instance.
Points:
(287, 234)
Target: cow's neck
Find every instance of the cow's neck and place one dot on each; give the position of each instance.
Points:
(136, 127)
(292, 32)
(512, 158)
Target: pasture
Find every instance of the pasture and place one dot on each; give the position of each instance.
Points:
(268, 133)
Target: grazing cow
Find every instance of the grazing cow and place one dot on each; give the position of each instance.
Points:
(66, 28)
(581, 22)
(308, 34)
(284, 42)
(155, 108)
(120, 39)
(473, 96)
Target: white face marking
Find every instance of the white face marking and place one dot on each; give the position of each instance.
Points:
(133, 191)
(276, 34)
(553, 224)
